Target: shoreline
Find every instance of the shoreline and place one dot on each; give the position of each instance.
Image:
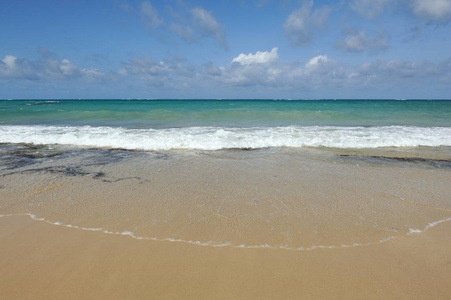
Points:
(230, 245)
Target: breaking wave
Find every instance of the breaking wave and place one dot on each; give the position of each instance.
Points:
(216, 138)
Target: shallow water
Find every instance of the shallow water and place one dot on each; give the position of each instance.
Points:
(279, 197)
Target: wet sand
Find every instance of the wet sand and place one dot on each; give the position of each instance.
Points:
(113, 224)
(44, 261)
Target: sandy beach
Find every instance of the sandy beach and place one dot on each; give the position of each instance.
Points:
(113, 224)
(44, 261)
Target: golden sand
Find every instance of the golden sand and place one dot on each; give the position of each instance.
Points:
(43, 261)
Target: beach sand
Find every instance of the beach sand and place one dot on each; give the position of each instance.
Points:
(43, 261)
(310, 224)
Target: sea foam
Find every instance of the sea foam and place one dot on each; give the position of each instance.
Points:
(215, 138)
(229, 244)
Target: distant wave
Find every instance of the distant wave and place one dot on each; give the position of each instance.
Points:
(215, 138)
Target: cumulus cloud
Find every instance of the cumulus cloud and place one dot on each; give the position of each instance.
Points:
(432, 10)
(92, 73)
(261, 68)
(259, 71)
(262, 71)
(49, 67)
(369, 8)
(359, 42)
(316, 62)
(302, 24)
(208, 26)
(13, 68)
(9, 62)
(257, 58)
(266, 70)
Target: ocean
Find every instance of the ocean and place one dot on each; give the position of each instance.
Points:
(226, 124)
(283, 174)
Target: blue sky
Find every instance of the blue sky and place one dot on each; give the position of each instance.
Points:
(225, 49)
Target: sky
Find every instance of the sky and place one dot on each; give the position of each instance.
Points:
(225, 49)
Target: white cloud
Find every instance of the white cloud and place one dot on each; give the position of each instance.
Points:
(261, 68)
(9, 61)
(208, 26)
(67, 68)
(315, 62)
(262, 71)
(302, 24)
(432, 10)
(258, 57)
(266, 73)
(359, 42)
(92, 73)
(47, 68)
(369, 8)
(149, 15)
(265, 69)
(320, 73)
(12, 67)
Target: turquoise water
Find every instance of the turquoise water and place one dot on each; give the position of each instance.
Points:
(225, 113)
(224, 124)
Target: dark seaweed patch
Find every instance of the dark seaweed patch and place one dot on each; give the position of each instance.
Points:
(103, 156)
(74, 171)
(244, 149)
(125, 178)
(406, 161)
(14, 156)
(67, 171)
(71, 161)
(15, 161)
